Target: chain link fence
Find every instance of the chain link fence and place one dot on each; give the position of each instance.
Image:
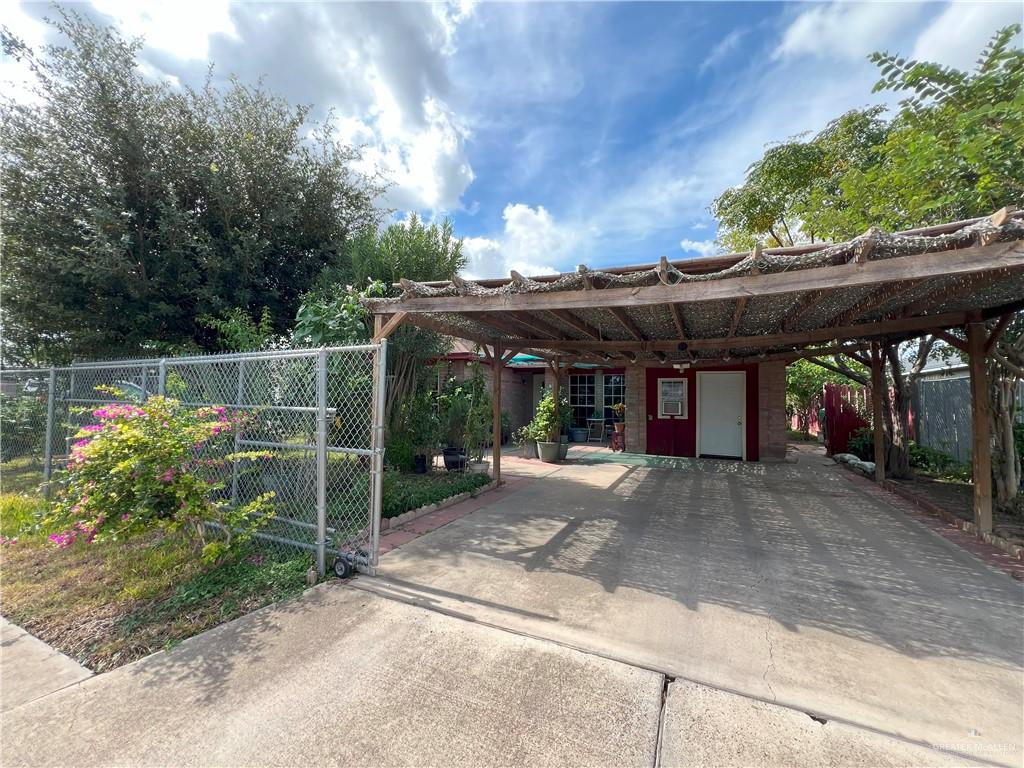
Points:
(317, 414)
(942, 414)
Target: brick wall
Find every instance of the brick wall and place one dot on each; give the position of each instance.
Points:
(771, 412)
(636, 410)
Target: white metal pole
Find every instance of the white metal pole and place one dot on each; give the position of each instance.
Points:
(162, 377)
(48, 447)
(377, 444)
(321, 462)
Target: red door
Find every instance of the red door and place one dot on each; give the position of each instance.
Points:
(670, 417)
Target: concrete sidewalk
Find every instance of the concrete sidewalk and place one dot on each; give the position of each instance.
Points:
(342, 677)
(29, 668)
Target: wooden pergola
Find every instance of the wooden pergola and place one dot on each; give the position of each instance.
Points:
(854, 298)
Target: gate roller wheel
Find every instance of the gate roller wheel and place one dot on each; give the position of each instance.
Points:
(341, 568)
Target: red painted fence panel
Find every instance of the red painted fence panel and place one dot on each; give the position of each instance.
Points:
(844, 405)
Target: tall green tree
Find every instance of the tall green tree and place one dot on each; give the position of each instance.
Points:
(333, 313)
(782, 191)
(954, 149)
(132, 208)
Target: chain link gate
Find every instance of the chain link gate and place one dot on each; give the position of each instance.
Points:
(317, 413)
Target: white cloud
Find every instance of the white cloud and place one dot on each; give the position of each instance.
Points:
(848, 30)
(699, 247)
(724, 47)
(958, 34)
(382, 68)
(182, 28)
(530, 244)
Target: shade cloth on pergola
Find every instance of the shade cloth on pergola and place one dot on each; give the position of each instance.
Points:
(773, 303)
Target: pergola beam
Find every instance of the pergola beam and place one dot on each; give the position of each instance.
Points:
(386, 329)
(873, 301)
(534, 322)
(737, 315)
(627, 322)
(973, 260)
(971, 285)
(583, 327)
(800, 338)
(677, 318)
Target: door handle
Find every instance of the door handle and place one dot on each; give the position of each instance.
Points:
(739, 422)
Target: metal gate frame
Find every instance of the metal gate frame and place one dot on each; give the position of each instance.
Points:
(364, 561)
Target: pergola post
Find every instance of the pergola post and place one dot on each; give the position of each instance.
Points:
(497, 365)
(556, 367)
(981, 456)
(877, 414)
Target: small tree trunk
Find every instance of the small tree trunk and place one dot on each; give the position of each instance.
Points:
(1005, 462)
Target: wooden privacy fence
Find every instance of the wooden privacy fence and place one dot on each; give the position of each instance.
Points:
(845, 406)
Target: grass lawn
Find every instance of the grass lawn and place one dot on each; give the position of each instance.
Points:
(107, 604)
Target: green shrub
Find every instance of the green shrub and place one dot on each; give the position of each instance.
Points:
(862, 444)
(400, 451)
(155, 465)
(23, 426)
(406, 492)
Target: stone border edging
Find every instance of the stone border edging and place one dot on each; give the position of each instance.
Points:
(387, 523)
(967, 526)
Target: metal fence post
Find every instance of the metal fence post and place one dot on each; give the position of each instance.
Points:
(161, 381)
(321, 462)
(238, 431)
(48, 447)
(380, 376)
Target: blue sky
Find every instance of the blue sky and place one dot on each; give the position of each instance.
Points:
(554, 134)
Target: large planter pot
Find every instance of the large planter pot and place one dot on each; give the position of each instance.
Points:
(620, 426)
(578, 434)
(419, 464)
(454, 459)
(530, 449)
(548, 451)
(563, 447)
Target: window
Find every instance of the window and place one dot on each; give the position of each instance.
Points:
(581, 398)
(672, 399)
(614, 392)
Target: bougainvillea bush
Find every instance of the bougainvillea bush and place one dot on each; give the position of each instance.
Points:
(157, 465)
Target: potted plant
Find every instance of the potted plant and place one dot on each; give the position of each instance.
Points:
(525, 442)
(578, 434)
(454, 410)
(564, 420)
(424, 428)
(619, 409)
(546, 427)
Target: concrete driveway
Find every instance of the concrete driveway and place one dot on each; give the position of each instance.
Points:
(785, 583)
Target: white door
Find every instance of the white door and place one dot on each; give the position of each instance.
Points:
(721, 399)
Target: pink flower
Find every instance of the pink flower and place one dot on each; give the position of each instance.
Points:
(167, 476)
(125, 517)
(62, 540)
